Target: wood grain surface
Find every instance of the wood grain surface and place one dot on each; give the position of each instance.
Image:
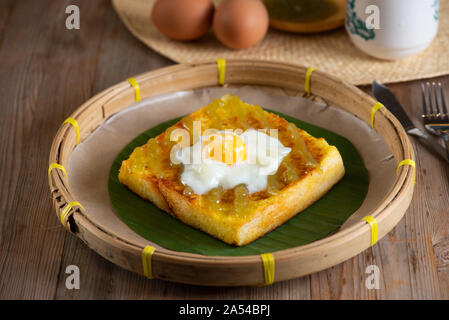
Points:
(47, 71)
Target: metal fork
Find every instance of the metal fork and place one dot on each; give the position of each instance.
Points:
(434, 111)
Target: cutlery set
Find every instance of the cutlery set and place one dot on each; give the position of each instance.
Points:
(435, 116)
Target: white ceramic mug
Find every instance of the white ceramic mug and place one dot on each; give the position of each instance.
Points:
(406, 27)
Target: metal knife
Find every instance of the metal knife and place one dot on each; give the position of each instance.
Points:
(388, 99)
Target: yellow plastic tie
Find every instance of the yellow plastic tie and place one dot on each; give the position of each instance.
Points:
(268, 267)
(373, 225)
(147, 254)
(308, 80)
(65, 212)
(55, 166)
(410, 163)
(136, 87)
(221, 67)
(74, 123)
(375, 108)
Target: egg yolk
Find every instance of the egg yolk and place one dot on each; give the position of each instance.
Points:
(227, 148)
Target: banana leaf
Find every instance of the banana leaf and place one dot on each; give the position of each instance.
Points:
(316, 222)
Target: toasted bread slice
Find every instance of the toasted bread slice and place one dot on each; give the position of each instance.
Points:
(233, 216)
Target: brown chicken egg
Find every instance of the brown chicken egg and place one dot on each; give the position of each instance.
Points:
(183, 19)
(240, 24)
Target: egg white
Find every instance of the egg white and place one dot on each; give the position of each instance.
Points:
(264, 155)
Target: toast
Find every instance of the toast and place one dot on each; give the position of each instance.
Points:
(233, 215)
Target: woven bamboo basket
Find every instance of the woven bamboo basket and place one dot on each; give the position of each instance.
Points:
(230, 271)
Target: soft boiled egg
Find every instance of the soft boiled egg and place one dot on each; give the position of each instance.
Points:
(183, 19)
(227, 159)
(240, 24)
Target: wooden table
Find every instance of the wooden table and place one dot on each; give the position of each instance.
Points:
(47, 71)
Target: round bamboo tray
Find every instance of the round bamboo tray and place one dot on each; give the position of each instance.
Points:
(231, 271)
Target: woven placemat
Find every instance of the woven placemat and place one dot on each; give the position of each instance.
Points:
(331, 52)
